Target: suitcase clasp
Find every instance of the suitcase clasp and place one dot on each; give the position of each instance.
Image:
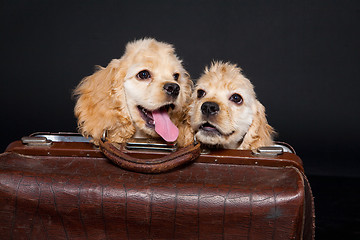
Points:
(269, 151)
(150, 144)
(36, 141)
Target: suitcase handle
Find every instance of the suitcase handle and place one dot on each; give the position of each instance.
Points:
(115, 152)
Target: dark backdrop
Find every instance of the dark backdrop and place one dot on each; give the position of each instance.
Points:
(301, 55)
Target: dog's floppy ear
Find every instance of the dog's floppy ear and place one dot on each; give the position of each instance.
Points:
(101, 104)
(186, 133)
(260, 132)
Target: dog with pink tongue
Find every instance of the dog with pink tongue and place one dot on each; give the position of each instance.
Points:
(145, 93)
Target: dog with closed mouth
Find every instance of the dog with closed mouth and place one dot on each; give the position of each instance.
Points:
(145, 93)
(225, 112)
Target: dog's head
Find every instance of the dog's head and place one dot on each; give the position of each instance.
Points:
(143, 92)
(225, 111)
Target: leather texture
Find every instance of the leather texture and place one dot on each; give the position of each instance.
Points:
(117, 154)
(59, 192)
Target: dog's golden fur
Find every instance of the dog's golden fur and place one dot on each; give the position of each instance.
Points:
(109, 99)
(240, 125)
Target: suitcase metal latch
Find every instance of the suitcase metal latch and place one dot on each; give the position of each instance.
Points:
(269, 151)
(150, 144)
(36, 141)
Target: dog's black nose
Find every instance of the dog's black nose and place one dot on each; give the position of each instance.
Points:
(210, 108)
(172, 89)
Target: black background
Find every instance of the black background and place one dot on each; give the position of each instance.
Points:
(302, 56)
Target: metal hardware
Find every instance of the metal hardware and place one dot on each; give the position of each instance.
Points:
(59, 138)
(150, 144)
(195, 140)
(284, 147)
(36, 141)
(205, 151)
(62, 137)
(104, 135)
(269, 151)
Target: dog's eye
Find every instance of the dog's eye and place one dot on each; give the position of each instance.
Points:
(236, 98)
(144, 74)
(176, 76)
(200, 93)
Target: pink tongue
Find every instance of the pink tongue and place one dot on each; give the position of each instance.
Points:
(164, 127)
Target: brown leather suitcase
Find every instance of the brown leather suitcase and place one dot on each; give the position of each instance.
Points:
(59, 186)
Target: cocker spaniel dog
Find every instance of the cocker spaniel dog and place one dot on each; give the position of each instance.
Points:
(225, 112)
(145, 93)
